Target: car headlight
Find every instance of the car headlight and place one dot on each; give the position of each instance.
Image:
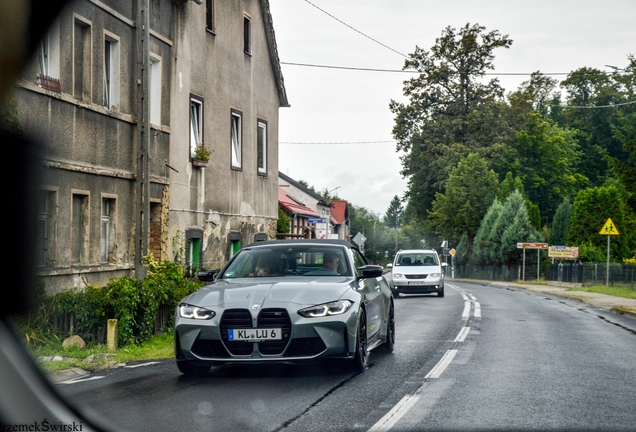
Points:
(195, 312)
(434, 275)
(326, 309)
(398, 276)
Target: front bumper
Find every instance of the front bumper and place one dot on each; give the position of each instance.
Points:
(424, 286)
(302, 338)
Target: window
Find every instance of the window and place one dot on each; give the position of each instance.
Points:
(236, 139)
(108, 229)
(47, 220)
(209, 15)
(79, 229)
(49, 61)
(111, 72)
(82, 60)
(154, 74)
(196, 124)
(262, 147)
(247, 30)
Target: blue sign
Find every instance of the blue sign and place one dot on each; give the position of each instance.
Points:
(314, 220)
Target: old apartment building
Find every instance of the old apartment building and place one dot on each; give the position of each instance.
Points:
(121, 107)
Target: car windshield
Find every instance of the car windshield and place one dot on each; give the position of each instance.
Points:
(417, 259)
(279, 261)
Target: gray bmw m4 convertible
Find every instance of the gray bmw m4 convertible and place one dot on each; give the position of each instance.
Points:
(287, 301)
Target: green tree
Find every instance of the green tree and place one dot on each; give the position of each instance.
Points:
(509, 185)
(451, 109)
(283, 224)
(592, 207)
(625, 169)
(514, 204)
(534, 214)
(393, 216)
(481, 245)
(470, 190)
(520, 230)
(561, 224)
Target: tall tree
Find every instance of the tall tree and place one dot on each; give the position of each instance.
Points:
(520, 230)
(481, 245)
(470, 190)
(561, 224)
(625, 169)
(451, 110)
(393, 216)
(514, 204)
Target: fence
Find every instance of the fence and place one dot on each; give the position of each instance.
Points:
(588, 274)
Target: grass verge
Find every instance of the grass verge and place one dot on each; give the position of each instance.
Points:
(613, 291)
(97, 357)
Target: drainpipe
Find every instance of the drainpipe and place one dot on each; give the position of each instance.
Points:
(143, 137)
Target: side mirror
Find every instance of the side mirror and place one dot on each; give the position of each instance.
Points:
(444, 264)
(389, 265)
(207, 275)
(371, 271)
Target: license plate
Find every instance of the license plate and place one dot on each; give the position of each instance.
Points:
(254, 334)
(416, 282)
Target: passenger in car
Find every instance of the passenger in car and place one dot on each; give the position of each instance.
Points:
(330, 261)
(266, 266)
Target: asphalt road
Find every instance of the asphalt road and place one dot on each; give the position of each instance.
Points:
(480, 358)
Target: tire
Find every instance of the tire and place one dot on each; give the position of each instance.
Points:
(361, 358)
(389, 344)
(440, 293)
(190, 369)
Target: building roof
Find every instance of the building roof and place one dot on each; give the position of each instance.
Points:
(273, 53)
(315, 195)
(293, 205)
(339, 211)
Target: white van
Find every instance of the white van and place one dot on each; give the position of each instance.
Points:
(417, 271)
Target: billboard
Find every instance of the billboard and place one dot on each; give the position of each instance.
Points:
(563, 252)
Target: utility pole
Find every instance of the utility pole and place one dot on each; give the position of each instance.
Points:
(143, 137)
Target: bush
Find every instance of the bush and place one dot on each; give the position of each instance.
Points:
(134, 303)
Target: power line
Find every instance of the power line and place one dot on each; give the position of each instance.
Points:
(593, 106)
(356, 30)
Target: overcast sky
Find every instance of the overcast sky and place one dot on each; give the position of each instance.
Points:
(342, 106)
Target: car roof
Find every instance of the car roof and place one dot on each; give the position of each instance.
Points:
(302, 241)
(417, 251)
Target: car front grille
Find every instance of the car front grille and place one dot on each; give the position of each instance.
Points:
(236, 319)
(305, 347)
(274, 318)
(416, 276)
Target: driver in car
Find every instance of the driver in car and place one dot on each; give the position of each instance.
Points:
(330, 261)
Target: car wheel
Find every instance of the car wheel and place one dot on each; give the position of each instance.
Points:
(362, 356)
(389, 344)
(440, 293)
(188, 368)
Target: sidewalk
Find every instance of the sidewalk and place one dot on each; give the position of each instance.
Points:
(619, 305)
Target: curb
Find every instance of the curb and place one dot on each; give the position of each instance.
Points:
(67, 374)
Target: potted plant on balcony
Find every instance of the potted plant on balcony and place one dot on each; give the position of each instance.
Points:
(201, 155)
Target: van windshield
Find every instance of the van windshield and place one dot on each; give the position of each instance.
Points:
(417, 259)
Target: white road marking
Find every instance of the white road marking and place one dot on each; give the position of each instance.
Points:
(77, 380)
(472, 297)
(462, 334)
(140, 365)
(477, 310)
(465, 297)
(441, 366)
(396, 413)
(466, 312)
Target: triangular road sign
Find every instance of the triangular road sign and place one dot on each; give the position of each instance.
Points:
(609, 229)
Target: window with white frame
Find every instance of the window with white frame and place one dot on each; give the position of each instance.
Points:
(108, 229)
(262, 147)
(49, 53)
(196, 124)
(236, 140)
(247, 34)
(111, 72)
(154, 74)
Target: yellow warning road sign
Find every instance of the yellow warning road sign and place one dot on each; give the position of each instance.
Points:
(609, 229)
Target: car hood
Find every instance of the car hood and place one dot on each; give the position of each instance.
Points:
(243, 293)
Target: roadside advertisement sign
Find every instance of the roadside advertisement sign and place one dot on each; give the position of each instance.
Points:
(563, 252)
(532, 245)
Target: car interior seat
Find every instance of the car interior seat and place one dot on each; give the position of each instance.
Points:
(406, 261)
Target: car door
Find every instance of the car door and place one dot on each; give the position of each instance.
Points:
(373, 299)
